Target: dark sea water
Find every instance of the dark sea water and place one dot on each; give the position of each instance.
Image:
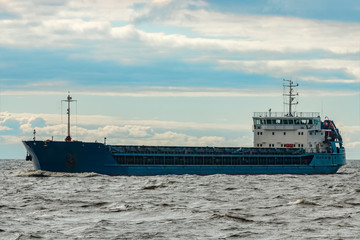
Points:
(43, 205)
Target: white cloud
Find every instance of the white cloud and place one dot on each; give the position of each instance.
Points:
(10, 139)
(4, 128)
(112, 30)
(107, 124)
(272, 33)
(161, 2)
(351, 136)
(64, 23)
(108, 10)
(54, 83)
(119, 131)
(145, 92)
(279, 68)
(129, 131)
(180, 139)
(179, 91)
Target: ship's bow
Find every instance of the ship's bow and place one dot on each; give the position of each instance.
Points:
(72, 156)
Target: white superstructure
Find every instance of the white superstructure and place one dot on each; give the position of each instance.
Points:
(293, 129)
(279, 130)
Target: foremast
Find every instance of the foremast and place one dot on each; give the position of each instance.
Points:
(68, 100)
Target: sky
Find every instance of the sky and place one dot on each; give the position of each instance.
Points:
(166, 72)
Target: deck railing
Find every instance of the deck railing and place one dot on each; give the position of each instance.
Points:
(286, 114)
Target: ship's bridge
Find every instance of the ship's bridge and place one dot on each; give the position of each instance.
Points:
(282, 120)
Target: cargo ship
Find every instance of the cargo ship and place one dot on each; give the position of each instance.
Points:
(284, 143)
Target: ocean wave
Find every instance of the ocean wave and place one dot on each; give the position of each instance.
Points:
(303, 202)
(40, 173)
(47, 205)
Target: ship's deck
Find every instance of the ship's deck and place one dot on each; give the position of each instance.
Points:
(175, 150)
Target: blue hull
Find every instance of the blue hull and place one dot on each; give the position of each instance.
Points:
(208, 170)
(96, 157)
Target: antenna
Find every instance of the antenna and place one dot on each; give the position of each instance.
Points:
(291, 94)
(68, 100)
(322, 108)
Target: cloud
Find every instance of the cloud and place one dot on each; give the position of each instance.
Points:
(297, 67)
(4, 128)
(129, 131)
(118, 31)
(117, 131)
(106, 124)
(10, 140)
(190, 92)
(54, 83)
(97, 126)
(69, 9)
(180, 139)
(272, 33)
(351, 136)
(75, 20)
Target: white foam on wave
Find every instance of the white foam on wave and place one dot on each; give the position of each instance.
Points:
(117, 207)
(302, 202)
(40, 173)
(299, 201)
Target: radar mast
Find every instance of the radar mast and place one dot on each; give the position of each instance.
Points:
(290, 96)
